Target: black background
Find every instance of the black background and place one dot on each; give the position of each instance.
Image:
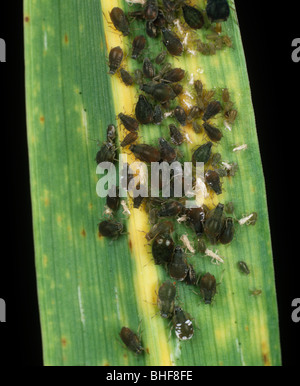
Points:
(267, 33)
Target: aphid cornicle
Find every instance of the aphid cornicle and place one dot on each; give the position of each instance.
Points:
(202, 153)
(167, 152)
(214, 223)
(211, 110)
(131, 340)
(212, 132)
(138, 44)
(208, 287)
(126, 77)
(212, 179)
(193, 17)
(243, 267)
(110, 228)
(166, 299)
(227, 232)
(144, 110)
(119, 20)
(217, 10)
(145, 153)
(172, 42)
(176, 136)
(162, 248)
(182, 324)
(178, 267)
(180, 115)
(115, 59)
(130, 123)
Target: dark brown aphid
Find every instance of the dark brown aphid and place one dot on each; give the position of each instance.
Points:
(130, 123)
(138, 77)
(158, 115)
(145, 153)
(152, 30)
(183, 324)
(162, 248)
(129, 139)
(167, 152)
(178, 267)
(177, 88)
(191, 278)
(106, 153)
(131, 340)
(208, 287)
(119, 20)
(148, 68)
(170, 208)
(196, 127)
(243, 267)
(161, 57)
(212, 179)
(196, 218)
(176, 136)
(193, 17)
(115, 59)
(214, 223)
(227, 232)
(217, 10)
(201, 245)
(194, 113)
(126, 77)
(180, 115)
(113, 199)
(160, 92)
(231, 116)
(172, 42)
(211, 110)
(229, 207)
(216, 159)
(158, 228)
(166, 299)
(144, 110)
(202, 153)
(111, 133)
(151, 10)
(212, 132)
(138, 44)
(174, 75)
(160, 21)
(110, 228)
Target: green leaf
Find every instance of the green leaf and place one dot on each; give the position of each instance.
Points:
(88, 286)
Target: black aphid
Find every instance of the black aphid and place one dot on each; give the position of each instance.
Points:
(211, 110)
(166, 299)
(106, 153)
(145, 153)
(130, 123)
(178, 267)
(138, 44)
(158, 115)
(174, 75)
(196, 218)
(113, 199)
(193, 17)
(160, 92)
(148, 68)
(208, 287)
(115, 59)
(151, 10)
(180, 115)
(144, 110)
(119, 20)
(212, 132)
(191, 277)
(129, 139)
(176, 136)
(172, 42)
(151, 29)
(126, 77)
(161, 57)
(159, 228)
(177, 88)
(138, 76)
(131, 340)
(170, 208)
(227, 232)
(243, 267)
(202, 153)
(212, 179)
(162, 248)
(217, 10)
(182, 324)
(110, 228)
(214, 223)
(111, 133)
(194, 113)
(167, 152)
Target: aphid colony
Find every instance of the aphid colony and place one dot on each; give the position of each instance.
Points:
(159, 89)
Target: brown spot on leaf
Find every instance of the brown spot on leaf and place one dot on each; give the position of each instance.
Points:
(130, 245)
(64, 341)
(265, 354)
(83, 233)
(106, 364)
(26, 19)
(66, 39)
(42, 119)
(99, 235)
